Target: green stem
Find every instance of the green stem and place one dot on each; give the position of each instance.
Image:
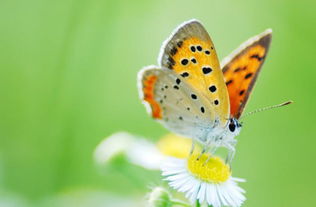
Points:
(197, 203)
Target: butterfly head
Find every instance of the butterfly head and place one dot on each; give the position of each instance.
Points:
(234, 126)
(226, 136)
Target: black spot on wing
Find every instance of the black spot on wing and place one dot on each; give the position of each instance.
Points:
(179, 44)
(206, 70)
(237, 70)
(256, 56)
(248, 75)
(170, 62)
(212, 88)
(193, 96)
(229, 82)
(184, 61)
(185, 74)
(173, 51)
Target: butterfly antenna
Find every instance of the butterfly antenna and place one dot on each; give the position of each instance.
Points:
(266, 108)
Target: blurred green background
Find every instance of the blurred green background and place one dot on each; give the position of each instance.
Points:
(68, 79)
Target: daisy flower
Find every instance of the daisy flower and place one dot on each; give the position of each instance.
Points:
(140, 151)
(131, 147)
(203, 180)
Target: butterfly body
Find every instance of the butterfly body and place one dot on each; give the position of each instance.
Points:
(188, 92)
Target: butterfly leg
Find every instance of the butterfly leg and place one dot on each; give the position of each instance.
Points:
(192, 147)
(202, 152)
(230, 155)
(212, 151)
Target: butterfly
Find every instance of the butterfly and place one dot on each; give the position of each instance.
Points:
(193, 95)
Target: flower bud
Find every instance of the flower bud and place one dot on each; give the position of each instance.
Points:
(159, 197)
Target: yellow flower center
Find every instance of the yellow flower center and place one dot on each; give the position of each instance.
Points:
(175, 146)
(214, 170)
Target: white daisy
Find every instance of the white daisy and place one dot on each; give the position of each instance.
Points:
(140, 151)
(132, 147)
(206, 182)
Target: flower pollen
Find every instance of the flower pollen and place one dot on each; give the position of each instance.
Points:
(213, 171)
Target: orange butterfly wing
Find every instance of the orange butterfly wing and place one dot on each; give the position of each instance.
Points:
(190, 52)
(242, 68)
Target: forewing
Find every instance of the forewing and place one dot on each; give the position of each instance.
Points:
(242, 68)
(190, 53)
(174, 103)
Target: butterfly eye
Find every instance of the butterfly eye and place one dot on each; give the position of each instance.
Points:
(232, 126)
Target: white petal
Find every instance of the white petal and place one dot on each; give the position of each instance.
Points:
(194, 192)
(233, 193)
(178, 183)
(221, 192)
(111, 146)
(202, 192)
(217, 201)
(179, 176)
(188, 185)
(226, 195)
(211, 194)
(238, 179)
